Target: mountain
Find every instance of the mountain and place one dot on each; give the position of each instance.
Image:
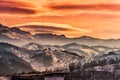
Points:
(33, 46)
(104, 49)
(18, 59)
(48, 58)
(49, 52)
(53, 39)
(105, 59)
(49, 36)
(71, 45)
(89, 52)
(58, 57)
(81, 49)
(10, 63)
(19, 37)
(14, 33)
(62, 39)
(36, 57)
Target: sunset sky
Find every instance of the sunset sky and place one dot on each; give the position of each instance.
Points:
(73, 18)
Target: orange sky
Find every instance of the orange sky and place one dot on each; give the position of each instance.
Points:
(97, 18)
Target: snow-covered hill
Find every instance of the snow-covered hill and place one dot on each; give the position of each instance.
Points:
(50, 58)
(46, 59)
(14, 33)
(53, 59)
(105, 59)
(81, 49)
(10, 63)
(33, 46)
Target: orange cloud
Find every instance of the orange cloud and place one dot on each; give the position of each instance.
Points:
(56, 7)
(16, 10)
(109, 7)
(98, 18)
(17, 3)
(47, 27)
(16, 7)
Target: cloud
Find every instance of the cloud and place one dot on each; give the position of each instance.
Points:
(47, 27)
(42, 31)
(16, 10)
(109, 7)
(110, 31)
(44, 27)
(55, 8)
(16, 7)
(17, 3)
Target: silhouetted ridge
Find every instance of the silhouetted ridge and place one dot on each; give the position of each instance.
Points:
(50, 35)
(7, 45)
(2, 26)
(17, 30)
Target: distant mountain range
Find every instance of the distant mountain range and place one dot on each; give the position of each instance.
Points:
(19, 37)
(20, 51)
(15, 59)
(37, 57)
(13, 33)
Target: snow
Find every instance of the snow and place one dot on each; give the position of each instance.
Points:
(54, 78)
(5, 78)
(14, 35)
(33, 47)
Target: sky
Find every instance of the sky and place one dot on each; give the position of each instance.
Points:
(73, 18)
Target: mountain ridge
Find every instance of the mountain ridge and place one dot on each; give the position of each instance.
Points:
(21, 36)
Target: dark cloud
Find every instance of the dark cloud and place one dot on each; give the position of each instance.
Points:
(40, 27)
(17, 7)
(16, 3)
(16, 10)
(43, 31)
(46, 27)
(110, 7)
(39, 31)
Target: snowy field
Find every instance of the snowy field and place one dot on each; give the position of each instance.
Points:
(4, 78)
(54, 78)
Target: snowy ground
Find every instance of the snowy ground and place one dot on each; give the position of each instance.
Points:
(54, 78)
(4, 78)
